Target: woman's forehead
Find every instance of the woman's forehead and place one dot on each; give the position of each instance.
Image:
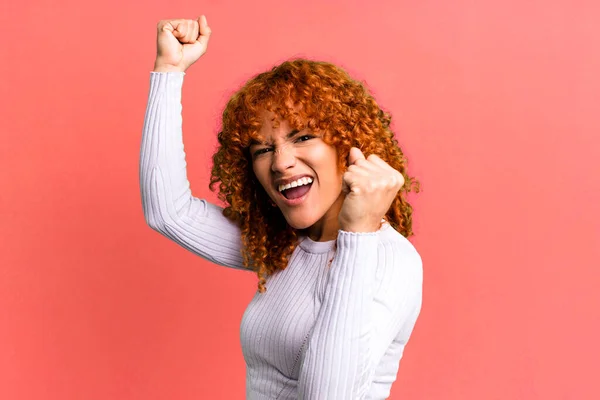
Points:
(272, 122)
(277, 121)
(268, 117)
(271, 130)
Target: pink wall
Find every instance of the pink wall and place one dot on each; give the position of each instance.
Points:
(496, 103)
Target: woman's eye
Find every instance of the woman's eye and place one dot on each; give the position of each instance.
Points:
(261, 151)
(304, 138)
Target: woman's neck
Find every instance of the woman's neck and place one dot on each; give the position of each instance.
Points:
(327, 227)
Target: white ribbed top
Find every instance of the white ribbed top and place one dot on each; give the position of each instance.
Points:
(318, 332)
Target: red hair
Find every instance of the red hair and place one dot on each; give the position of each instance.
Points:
(308, 94)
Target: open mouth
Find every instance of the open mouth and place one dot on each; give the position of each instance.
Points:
(296, 189)
(296, 192)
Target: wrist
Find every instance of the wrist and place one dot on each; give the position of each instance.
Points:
(364, 227)
(167, 68)
(361, 228)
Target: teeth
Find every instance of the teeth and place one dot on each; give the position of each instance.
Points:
(299, 182)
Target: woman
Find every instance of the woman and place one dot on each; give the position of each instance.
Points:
(323, 226)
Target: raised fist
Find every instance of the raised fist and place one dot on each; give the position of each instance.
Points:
(180, 43)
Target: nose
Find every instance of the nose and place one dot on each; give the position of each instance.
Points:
(283, 158)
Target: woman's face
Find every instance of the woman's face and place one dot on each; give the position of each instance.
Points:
(300, 173)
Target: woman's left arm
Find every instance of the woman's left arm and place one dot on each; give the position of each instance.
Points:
(374, 291)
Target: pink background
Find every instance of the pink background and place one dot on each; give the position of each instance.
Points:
(496, 103)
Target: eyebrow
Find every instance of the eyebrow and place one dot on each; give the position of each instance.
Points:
(288, 136)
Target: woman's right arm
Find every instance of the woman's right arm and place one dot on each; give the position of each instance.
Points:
(167, 201)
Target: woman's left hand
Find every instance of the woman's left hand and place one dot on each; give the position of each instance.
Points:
(371, 185)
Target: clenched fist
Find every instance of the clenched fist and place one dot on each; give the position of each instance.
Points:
(180, 43)
(371, 185)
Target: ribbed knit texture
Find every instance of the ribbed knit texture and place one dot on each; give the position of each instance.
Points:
(318, 332)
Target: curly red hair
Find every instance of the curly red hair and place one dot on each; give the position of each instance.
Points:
(308, 94)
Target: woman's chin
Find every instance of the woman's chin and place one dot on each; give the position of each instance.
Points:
(299, 223)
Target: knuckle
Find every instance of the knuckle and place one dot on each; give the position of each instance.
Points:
(375, 158)
(400, 178)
